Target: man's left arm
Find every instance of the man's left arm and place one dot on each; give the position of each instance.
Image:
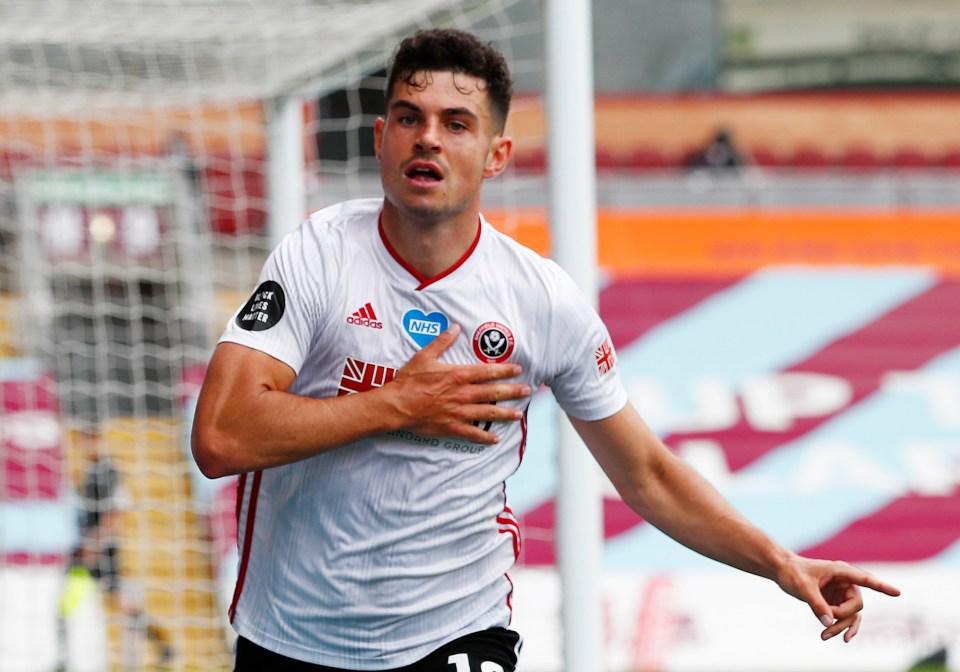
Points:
(672, 496)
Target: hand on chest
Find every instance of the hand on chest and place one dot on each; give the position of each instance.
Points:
(392, 332)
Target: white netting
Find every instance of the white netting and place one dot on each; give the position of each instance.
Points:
(133, 215)
(105, 54)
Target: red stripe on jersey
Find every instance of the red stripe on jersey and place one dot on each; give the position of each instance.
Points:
(523, 432)
(241, 486)
(509, 597)
(247, 535)
(516, 540)
(422, 279)
(509, 525)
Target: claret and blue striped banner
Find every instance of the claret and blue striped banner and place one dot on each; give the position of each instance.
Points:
(807, 363)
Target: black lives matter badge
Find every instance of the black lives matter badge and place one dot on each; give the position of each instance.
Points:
(264, 307)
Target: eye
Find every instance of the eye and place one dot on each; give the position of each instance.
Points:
(407, 120)
(457, 126)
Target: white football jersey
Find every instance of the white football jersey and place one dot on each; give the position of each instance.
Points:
(372, 555)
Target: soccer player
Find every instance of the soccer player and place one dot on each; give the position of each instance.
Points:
(104, 498)
(372, 396)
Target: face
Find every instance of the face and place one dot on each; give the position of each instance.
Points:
(436, 145)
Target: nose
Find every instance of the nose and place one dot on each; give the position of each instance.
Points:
(429, 138)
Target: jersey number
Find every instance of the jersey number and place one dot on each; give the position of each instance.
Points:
(462, 662)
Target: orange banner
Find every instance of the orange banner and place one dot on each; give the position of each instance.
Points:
(738, 241)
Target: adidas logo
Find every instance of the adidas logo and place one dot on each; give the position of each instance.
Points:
(365, 317)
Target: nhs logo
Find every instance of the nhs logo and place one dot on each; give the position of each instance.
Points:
(424, 328)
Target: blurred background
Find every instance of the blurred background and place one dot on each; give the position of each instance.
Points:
(779, 239)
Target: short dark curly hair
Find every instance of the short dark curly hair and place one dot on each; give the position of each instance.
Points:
(451, 50)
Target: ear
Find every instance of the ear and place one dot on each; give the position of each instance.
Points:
(499, 156)
(378, 136)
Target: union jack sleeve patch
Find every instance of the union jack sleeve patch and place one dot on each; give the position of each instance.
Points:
(605, 357)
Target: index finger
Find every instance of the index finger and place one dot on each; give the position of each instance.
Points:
(868, 580)
(438, 345)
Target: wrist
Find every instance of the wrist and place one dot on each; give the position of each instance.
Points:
(386, 412)
(782, 563)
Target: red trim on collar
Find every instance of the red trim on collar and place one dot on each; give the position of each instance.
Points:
(424, 281)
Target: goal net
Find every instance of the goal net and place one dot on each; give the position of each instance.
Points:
(135, 214)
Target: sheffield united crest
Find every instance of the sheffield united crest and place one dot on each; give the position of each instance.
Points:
(493, 342)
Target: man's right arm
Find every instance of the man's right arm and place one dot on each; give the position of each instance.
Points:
(247, 420)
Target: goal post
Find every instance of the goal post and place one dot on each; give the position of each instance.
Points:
(569, 110)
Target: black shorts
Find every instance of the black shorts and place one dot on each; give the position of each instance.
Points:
(493, 650)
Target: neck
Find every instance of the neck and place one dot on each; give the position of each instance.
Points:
(429, 247)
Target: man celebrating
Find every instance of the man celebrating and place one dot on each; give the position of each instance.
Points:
(372, 395)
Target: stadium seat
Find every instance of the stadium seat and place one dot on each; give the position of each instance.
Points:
(860, 159)
(808, 158)
(909, 157)
(951, 159)
(530, 159)
(12, 160)
(237, 194)
(607, 160)
(649, 158)
(766, 158)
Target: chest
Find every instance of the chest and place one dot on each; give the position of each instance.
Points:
(374, 322)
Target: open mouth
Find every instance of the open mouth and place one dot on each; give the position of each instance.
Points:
(423, 174)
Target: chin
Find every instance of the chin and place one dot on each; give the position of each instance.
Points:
(420, 208)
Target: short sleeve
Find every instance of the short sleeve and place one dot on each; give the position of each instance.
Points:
(282, 314)
(584, 376)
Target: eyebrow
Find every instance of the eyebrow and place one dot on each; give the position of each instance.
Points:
(448, 112)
